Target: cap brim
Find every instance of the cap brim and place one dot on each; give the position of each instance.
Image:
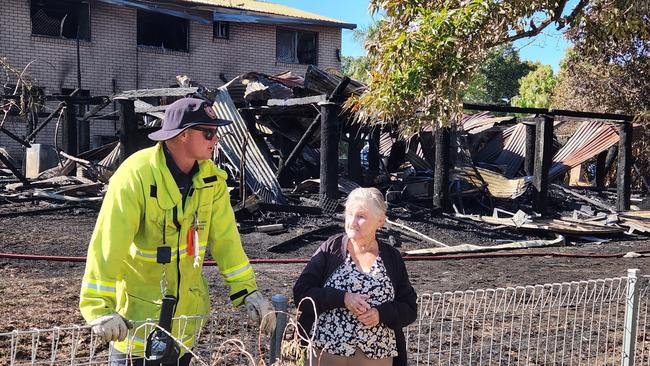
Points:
(164, 135)
(209, 122)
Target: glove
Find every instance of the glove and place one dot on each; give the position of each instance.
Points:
(110, 327)
(261, 311)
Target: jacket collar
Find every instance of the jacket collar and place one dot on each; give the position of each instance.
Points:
(168, 194)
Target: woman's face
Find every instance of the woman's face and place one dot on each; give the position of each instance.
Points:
(361, 222)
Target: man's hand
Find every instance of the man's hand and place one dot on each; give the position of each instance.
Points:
(370, 318)
(261, 311)
(110, 327)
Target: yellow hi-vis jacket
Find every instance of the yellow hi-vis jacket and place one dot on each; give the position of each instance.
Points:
(122, 274)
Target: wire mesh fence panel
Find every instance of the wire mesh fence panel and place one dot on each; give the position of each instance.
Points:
(218, 340)
(577, 323)
(56, 346)
(642, 349)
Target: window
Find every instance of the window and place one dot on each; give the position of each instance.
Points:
(162, 30)
(298, 47)
(61, 18)
(221, 30)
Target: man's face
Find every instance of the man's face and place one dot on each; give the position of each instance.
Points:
(201, 141)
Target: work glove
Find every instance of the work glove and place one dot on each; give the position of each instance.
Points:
(261, 311)
(111, 327)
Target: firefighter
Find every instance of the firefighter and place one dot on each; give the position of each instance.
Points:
(166, 207)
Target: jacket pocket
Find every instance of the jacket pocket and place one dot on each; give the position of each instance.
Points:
(137, 308)
(199, 301)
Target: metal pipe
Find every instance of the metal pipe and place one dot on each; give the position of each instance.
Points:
(280, 304)
(415, 258)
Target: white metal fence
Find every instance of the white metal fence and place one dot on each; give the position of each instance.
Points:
(596, 322)
(554, 324)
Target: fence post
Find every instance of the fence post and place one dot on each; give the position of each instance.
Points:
(279, 304)
(631, 314)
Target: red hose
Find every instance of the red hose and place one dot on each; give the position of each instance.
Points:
(406, 258)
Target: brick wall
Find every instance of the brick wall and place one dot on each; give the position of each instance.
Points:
(112, 57)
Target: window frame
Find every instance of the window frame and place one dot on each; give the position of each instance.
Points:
(215, 25)
(296, 34)
(69, 3)
(186, 22)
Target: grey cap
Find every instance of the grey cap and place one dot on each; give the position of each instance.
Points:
(185, 113)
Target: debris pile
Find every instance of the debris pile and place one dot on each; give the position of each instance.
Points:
(293, 149)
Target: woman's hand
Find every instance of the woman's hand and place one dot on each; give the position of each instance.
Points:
(356, 303)
(370, 318)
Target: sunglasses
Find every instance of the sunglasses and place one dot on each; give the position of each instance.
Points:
(208, 133)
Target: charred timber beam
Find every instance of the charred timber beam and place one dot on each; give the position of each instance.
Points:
(83, 136)
(612, 154)
(14, 137)
(441, 168)
(427, 142)
(329, 152)
(552, 112)
(397, 155)
(329, 147)
(32, 122)
(589, 200)
(128, 127)
(163, 92)
(354, 153)
(300, 145)
(14, 169)
(76, 99)
(302, 239)
(543, 156)
(373, 150)
(70, 129)
(47, 120)
(529, 162)
(623, 173)
(106, 101)
(309, 210)
(601, 173)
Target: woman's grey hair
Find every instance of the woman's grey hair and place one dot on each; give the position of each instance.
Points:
(369, 196)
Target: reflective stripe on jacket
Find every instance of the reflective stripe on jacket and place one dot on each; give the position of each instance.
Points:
(141, 203)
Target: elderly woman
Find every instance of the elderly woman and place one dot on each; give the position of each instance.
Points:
(361, 290)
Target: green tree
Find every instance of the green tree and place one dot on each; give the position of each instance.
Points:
(601, 85)
(536, 88)
(426, 51)
(497, 79)
(357, 68)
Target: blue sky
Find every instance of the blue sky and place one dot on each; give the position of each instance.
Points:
(547, 48)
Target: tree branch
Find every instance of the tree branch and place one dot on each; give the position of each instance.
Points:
(535, 30)
(576, 11)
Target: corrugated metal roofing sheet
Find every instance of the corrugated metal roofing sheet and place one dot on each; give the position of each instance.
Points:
(259, 176)
(514, 151)
(590, 139)
(269, 8)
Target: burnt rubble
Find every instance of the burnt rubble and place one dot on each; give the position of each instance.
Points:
(293, 149)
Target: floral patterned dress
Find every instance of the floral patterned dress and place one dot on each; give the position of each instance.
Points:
(339, 332)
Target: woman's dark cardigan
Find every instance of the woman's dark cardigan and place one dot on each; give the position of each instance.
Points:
(395, 314)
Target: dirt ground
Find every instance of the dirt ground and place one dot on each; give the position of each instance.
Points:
(44, 294)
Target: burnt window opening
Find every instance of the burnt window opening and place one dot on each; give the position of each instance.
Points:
(296, 46)
(162, 30)
(61, 18)
(221, 29)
